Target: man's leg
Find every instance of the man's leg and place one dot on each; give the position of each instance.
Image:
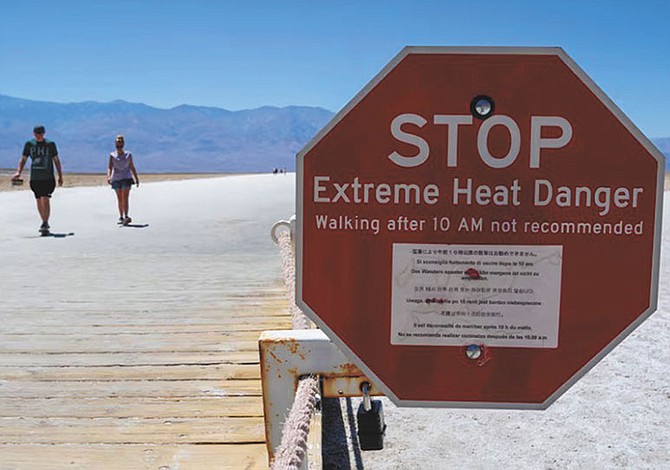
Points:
(42, 191)
(44, 208)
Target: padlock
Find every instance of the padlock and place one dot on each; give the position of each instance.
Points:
(370, 420)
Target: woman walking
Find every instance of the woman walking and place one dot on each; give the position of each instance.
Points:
(120, 173)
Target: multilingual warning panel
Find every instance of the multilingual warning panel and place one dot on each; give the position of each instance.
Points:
(455, 295)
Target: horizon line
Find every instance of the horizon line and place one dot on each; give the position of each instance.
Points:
(182, 105)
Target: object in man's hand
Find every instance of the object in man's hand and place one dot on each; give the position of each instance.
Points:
(17, 181)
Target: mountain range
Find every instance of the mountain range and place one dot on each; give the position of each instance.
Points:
(183, 139)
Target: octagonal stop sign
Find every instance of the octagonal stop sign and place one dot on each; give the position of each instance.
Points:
(479, 227)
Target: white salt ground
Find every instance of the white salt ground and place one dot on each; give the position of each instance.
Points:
(615, 417)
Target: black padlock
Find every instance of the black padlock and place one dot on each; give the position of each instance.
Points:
(370, 420)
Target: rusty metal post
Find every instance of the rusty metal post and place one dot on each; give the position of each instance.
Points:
(285, 356)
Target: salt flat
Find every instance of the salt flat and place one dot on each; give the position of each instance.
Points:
(216, 230)
(112, 329)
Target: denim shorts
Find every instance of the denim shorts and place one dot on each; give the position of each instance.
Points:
(122, 184)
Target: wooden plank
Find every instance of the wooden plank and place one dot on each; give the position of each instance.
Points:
(148, 343)
(148, 335)
(97, 315)
(37, 336)
(134, 457)
(100, 315)
(130, 372)
(28, 328)
(158, 303)
(132, 430)
(128, 388)
(107, 319)
(128, 407)
(85, 359)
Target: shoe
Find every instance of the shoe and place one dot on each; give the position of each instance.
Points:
(127, 220)
(120, 221)
(44, 228)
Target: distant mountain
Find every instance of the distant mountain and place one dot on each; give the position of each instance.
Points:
(181, 139)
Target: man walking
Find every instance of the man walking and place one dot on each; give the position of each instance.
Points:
(44, 156)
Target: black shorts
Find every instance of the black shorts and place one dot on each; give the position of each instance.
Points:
(123, 184)
(42, 188)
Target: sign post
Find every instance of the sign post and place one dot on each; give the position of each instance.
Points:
(478, 227)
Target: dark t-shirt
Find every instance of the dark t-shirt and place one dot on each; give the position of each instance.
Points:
(42, 155)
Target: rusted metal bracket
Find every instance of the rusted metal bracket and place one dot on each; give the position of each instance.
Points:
(285, 356)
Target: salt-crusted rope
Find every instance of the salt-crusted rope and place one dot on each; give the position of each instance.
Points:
(298, 318)
(291, 452)
(293, 448)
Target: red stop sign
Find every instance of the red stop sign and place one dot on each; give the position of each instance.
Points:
(479, 227)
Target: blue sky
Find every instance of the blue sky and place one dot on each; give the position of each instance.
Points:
(246, 54)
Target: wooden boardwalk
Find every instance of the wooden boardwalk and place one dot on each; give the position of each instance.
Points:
(114, 389)
(148, 363)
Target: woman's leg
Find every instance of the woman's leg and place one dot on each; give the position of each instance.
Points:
(119, 200)
(125, 196)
